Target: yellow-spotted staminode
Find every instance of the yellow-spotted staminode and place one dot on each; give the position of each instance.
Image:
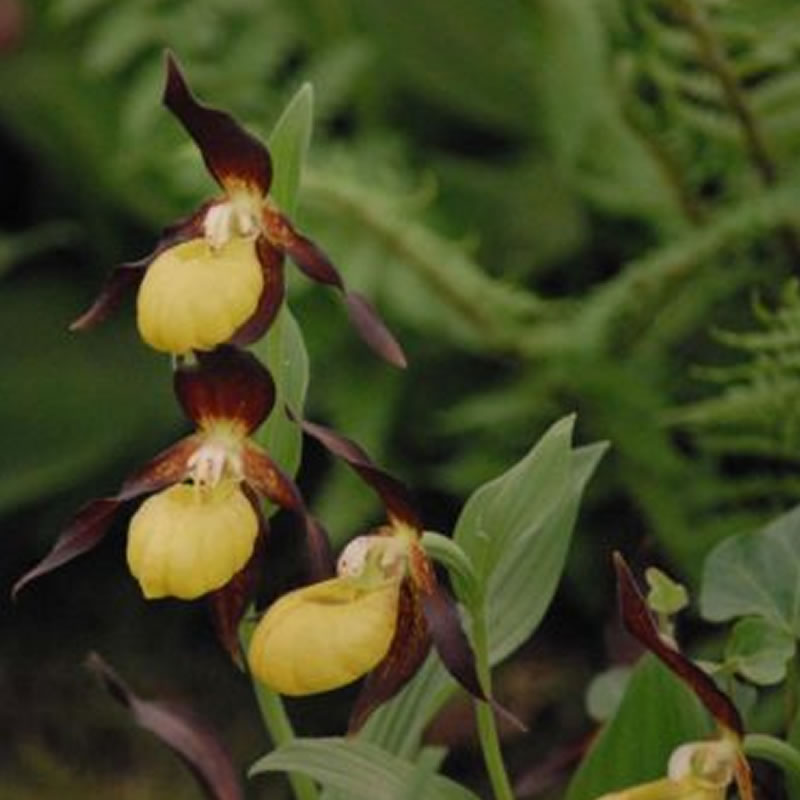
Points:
(378, 617)
(217, 276)
(199, 529)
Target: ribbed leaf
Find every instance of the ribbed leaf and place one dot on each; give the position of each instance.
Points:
(288, 144)
(359, 770)
(283, 349)
(657, 714)
(516, 531)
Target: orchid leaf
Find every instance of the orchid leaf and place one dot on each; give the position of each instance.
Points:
(636, 745)
(515, 532)
(283, 348)
(288, 144)
(359, 770)
(756, 574)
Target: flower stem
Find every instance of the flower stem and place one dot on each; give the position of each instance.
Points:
(768, 748)
(487, 728)
(277, 722)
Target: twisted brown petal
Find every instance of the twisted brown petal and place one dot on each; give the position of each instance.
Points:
(640, 624)
(266, 478)
(317, 266)
(228, 604)
(88, 527)
(190, 738)
(129, 275)
(225, 384)
(272, 294)
(84, 532)
(394, 494)
(232, 155)
(409, 647)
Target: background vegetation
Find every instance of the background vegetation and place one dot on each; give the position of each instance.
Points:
(559, 205)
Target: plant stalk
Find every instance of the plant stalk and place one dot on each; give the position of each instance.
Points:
(768, 748)
(487, 727)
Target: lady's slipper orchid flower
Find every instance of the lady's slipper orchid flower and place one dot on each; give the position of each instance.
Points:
(697, 770)
(198, 532)
(217, 276)
(378, 617)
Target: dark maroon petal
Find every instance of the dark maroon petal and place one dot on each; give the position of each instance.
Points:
(373, 331)
(396, 497)
(305, 254)
(409, 647)
(269, 302)
(317, 266)
(225, 384)
(189, 737)
(128, 276)
(84, 532)
(228, 604)
(166, 468)
(640, 624)
(266, 478)
(455, 651)
(122, 278)
(231, 154)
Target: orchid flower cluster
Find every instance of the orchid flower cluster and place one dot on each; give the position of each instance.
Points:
(212, 286)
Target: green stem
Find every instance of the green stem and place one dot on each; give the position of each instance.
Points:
(487, 729)
(277, 722)
(768, 748)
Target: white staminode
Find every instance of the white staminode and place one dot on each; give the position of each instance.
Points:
(353, 558)
(237, 216)
(208, 463)
(714, 761)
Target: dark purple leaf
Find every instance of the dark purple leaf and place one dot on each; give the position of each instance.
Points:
(232, 155)
(85, 531)
(395, 496)
(225, 384)
(640, 624)
(197, 745)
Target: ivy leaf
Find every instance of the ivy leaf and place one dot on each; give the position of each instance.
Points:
(361, 771)
(758, 651)
(756, 574)
(657, 714)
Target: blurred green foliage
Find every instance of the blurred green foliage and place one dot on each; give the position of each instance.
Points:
(557, 205)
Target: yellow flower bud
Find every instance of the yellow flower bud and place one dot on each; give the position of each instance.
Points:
(184, 542)
(194, 298)
(324, 636)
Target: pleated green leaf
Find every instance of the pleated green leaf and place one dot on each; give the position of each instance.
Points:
(283, 348)
(360, 771)
(657, 714)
